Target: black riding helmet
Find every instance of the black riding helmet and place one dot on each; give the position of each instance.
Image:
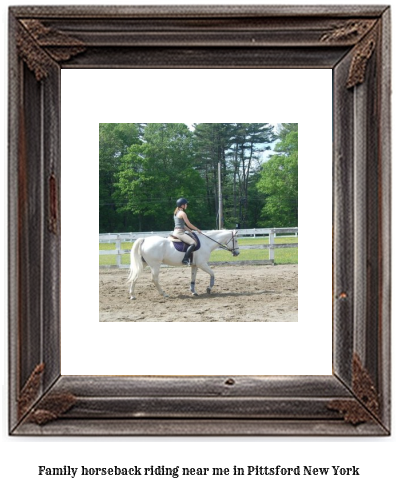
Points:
(182, 201)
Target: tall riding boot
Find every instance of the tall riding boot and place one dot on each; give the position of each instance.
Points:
(187, 255)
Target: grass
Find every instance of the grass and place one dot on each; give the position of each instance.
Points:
(281, 256)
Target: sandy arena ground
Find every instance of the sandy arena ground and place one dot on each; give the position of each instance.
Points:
(240, 294)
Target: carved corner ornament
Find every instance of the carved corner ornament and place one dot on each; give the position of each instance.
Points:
(363, 53)
(351, 31)
(362, 32)
(367, 405)
(50, 408)
(39, 46)
(30, 390)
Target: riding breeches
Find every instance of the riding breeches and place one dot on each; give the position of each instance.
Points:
(183, 237)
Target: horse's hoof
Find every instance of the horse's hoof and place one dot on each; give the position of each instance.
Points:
(208, 291)
(132, 298)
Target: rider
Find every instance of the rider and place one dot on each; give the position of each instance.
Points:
(182, 223)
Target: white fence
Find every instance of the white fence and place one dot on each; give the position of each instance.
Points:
(271, 233)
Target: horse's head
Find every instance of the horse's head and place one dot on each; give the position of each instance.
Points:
(232, 243)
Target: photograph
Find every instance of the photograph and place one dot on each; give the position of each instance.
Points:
(55, 206)
(283, 378)
(238, 182)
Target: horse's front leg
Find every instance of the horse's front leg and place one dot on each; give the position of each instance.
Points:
(155, 279)
(205, 267)
(194, 270)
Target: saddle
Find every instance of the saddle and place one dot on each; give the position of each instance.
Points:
(182, 246)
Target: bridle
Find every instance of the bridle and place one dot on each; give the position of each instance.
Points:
(224, 246)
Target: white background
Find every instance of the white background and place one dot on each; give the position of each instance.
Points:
(303, 348)
(376, 457)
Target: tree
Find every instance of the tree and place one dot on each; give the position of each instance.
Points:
(155, 173)
(249, 142)
(211, 143)
(146, 167)
(237, 147)
(114, 141)
(279, 180)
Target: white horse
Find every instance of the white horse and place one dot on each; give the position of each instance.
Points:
(155, 250)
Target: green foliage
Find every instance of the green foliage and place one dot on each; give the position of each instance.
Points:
(114, 141)
(146, 167)
(153, 174)
(238, 147)
(279, 181)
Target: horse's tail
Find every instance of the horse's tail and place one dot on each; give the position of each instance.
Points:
(136, 263)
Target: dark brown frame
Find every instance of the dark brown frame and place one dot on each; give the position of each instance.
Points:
(353, 41)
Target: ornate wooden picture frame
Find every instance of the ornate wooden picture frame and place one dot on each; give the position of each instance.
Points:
(352, 41)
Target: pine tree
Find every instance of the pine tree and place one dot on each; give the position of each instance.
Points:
(249, 142)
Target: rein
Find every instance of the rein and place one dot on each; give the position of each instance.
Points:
(223, 246)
